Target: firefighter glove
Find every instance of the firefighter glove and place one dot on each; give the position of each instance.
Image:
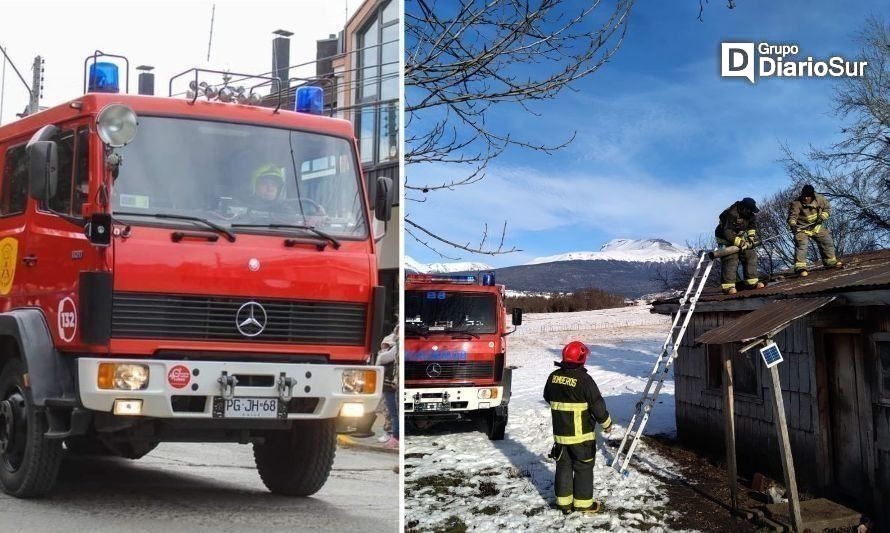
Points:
(744, 245)
(823, 215)
(554, 452)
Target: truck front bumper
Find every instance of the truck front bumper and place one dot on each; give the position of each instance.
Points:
(200, 389)
(451, 399)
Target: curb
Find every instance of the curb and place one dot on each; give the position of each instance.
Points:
(345, 441)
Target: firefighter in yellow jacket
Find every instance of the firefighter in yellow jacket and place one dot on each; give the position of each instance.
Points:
(806, 215)
(576, 406)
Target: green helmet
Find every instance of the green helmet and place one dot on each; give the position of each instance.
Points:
(268, 171)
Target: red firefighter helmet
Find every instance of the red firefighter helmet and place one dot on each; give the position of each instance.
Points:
(575, 352)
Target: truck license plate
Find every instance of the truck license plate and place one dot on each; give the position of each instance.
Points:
(246, 408)
(430, 406)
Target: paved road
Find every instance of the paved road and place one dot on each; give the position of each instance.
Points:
(205, 487)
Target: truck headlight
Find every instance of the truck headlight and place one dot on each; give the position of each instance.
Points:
(487, 394)
(122, 376)
(360, 381)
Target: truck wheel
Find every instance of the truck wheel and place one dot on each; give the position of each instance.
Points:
(297, 462)
(29, 463)
(497, 424)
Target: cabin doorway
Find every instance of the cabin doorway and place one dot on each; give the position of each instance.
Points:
(845, 415)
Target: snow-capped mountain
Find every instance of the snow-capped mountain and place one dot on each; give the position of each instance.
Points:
(412, 265)
(634, 250)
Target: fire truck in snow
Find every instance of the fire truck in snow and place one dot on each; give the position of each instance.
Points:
(150, 291)
(455, 350)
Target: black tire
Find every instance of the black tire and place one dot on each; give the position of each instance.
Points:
(496, 424)
(297, 462)
(29, 465)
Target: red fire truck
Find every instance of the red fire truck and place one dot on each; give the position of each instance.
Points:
(455, 350)
(183, 269)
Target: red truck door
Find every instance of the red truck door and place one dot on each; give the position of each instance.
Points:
(13, 203)
(56, 250)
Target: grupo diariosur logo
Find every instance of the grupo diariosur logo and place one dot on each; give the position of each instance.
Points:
(739, 60)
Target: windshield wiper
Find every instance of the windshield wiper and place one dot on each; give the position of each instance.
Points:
(455, 332)
(312, 229)
(417, 329)
(216, 227)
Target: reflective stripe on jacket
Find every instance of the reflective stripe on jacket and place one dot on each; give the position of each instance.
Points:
(575, 405)
(733, 227)
(802, 215)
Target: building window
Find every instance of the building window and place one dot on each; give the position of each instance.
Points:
(15, 182)
(744, 370)
(884, 371)
(377, 86)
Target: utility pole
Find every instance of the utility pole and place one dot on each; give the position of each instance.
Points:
(36, 85)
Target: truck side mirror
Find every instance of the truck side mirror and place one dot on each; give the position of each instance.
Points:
(383, 199)
(98, 229)
(43, 163)
(517, 316)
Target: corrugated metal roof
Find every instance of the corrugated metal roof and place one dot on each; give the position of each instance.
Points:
(770, 318)
(864, 271)
(860, 271)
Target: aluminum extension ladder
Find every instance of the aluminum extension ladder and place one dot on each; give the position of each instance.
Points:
(663, 364)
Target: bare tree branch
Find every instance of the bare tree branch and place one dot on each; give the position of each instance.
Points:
(465, 57)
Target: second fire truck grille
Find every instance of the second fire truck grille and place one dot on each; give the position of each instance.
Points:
(449, 370)
(164, 316)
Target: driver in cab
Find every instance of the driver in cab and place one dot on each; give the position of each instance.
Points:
(269, 190)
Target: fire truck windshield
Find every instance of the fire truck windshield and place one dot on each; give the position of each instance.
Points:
(242, 177)
(428, 312)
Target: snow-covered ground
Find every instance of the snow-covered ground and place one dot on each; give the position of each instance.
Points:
(454, 474)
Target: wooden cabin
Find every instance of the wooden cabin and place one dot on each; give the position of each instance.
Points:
(833, 331)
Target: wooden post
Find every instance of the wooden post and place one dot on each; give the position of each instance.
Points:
(785, 450)
(729, 427)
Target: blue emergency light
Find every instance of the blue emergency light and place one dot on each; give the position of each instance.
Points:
(488, 279)
(103, 78)
(310, 100)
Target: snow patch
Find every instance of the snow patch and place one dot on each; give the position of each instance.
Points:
(640, 251)
(412, 265)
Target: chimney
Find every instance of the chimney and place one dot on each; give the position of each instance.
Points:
(146, 80)
(281, 56)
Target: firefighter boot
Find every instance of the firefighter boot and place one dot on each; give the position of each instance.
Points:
(759, 285)
(803, 273)
(592, 510)
(730, 290)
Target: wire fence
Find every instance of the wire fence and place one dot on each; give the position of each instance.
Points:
(528, 329)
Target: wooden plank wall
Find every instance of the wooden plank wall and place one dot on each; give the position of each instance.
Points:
(700, 411)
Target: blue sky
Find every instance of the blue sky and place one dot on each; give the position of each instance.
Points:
(663, 142)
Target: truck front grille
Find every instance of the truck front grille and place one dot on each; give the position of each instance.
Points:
(172, 316)
(449, 370)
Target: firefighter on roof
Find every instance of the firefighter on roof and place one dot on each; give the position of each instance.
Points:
(806, 215)
(737, 228)
(576, 407)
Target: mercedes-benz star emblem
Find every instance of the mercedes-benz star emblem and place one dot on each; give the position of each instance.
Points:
(434, 370)
(251, 319)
